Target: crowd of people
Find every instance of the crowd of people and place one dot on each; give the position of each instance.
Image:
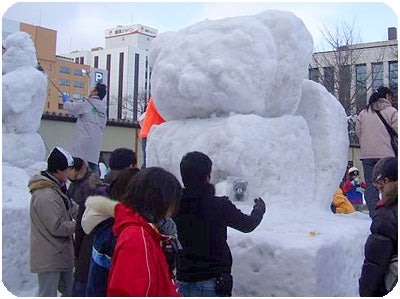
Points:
(88, 234)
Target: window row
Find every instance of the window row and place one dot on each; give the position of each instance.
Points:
(67, 82)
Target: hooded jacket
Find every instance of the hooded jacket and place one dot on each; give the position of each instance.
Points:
(144, 273)
(341, 203)
(373, 135)
(380, 246)
(52, 226)
(98, 220)
(87, 137)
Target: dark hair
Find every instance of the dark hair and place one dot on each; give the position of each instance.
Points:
(152, 193)
(383, 91)
(195, 167)
(121, 158)
(78, 163)
(118, 187)
(372, 99)
(101, 90)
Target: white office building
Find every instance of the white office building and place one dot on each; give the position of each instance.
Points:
(125, 57)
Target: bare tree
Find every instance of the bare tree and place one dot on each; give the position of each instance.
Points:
(343, 72)
(128, 105)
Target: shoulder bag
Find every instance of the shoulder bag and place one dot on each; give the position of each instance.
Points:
(392, 133)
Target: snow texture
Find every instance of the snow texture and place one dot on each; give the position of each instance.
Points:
(248, 65)
(233, 89)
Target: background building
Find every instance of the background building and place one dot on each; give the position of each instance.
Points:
(351, 72)
(125, 57)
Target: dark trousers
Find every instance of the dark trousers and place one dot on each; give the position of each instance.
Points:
(371, 194)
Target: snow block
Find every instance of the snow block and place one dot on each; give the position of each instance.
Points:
(243, 146)
(23, 150)
(15, 231)
(303, 254)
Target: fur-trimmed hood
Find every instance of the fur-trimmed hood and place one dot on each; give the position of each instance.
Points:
(98, 209)
(39, 181)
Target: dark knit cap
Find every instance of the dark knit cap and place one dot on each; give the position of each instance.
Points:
(59, 159)
(390, 169)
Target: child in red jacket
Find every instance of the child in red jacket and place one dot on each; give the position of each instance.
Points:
(354, 189)
(139, 267)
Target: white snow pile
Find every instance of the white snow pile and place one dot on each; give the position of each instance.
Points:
(23, 153)
(235, 90)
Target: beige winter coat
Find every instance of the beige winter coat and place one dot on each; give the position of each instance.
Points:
(374, 138)
(52, 226)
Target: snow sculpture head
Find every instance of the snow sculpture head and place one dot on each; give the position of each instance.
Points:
(19, 52)
(247, 65)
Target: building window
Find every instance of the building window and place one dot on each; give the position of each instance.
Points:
(313, 74)
(60, 106)
(81, 60)
(393, 81)
(64, 82)
(77, 96)
(361, 87)
(329, 79)
(78, 84)
(76, 59)
(65, 70)
(377, 75)
(48, 105)
(78, 72)
(96, 61)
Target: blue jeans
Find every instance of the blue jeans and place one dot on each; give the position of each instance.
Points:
(204, 288)
(144, 142)
(371, 194)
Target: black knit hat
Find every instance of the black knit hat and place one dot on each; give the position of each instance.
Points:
(390, 169)
(59, 159)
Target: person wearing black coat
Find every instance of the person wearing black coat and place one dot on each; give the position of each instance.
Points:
(204, 267)
(381, 244)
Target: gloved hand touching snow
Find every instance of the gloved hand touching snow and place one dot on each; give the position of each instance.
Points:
(65, 98)
(259, 205)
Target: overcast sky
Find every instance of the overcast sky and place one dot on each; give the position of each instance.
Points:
(81, 25)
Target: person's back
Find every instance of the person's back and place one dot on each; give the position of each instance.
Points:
(202, 223)
(91, 116)
(374, 138)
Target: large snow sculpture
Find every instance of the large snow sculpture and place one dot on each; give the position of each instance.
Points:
(235, 90)
(24, 95)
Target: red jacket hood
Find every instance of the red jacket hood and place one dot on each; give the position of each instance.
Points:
(126, 216)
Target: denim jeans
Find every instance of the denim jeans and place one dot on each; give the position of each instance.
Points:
(204, 288)
(144, 142)
(371, 194)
